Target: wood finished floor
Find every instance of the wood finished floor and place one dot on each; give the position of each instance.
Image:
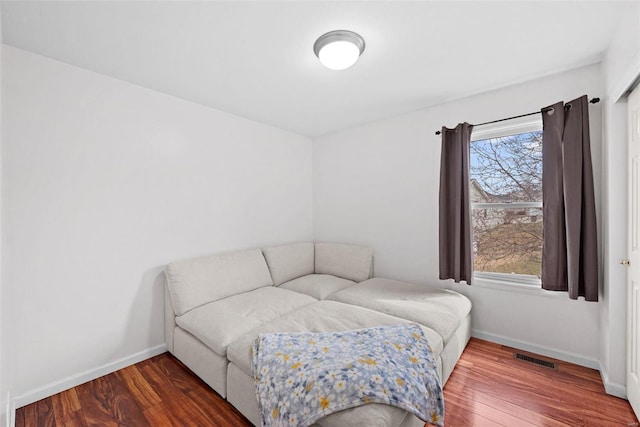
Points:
(487, 388)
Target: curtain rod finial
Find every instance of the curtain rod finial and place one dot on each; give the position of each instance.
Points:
(594, 100)
(438, 132)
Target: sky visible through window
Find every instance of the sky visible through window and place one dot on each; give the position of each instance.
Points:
(509, 167)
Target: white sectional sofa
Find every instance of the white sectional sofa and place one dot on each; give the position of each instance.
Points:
(215, 306)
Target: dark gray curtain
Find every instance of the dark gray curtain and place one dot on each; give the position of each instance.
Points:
(455, 208)
(570, 247)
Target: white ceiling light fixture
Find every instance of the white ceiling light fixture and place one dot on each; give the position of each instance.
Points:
(339, 50)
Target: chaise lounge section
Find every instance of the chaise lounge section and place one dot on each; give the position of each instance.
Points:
(446, 312)
(215, 306)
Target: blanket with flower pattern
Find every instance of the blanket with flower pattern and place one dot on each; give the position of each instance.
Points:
(302, 377)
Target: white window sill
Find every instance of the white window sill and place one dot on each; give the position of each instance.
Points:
(503, 285)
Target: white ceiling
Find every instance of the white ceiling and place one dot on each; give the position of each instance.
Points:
(255, 59)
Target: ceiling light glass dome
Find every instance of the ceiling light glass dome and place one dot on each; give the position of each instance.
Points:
(339, 49)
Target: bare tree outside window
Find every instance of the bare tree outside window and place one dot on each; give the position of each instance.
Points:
(506, 197)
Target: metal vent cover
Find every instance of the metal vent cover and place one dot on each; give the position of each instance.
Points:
(535, 360)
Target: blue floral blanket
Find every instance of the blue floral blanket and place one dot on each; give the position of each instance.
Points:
(302, 377)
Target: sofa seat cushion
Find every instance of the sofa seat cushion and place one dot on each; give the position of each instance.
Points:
(319, 286)
(321, 316)
(288, 262)
(439, 309)
(217, 324)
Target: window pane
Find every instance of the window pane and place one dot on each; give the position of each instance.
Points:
(507, 240)
(507, 169)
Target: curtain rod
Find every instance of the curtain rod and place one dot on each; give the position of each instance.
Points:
(592, 101)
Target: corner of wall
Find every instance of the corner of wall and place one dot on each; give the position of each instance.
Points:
(622, 57)
(9, 418)
(628, 78)
(612, 388)
(314, 180)
(7, 405)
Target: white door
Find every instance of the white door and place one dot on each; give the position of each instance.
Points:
(633, 278)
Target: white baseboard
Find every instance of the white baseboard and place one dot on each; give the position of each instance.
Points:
(538, 349)
(83, 377)
(614, 389)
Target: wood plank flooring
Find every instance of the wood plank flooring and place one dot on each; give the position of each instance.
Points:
(487, 388)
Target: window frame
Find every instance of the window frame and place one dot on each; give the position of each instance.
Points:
(522, 282)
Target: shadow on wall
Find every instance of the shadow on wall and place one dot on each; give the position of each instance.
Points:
(145, 325)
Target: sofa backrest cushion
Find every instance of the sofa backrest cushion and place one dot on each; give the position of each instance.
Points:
(288, 262)
(350, 262)
(198, 281)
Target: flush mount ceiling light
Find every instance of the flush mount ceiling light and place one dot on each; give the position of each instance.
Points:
(339, 49)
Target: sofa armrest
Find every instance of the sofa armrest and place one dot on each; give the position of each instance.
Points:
(169, 319)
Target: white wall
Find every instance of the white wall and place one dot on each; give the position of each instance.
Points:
(377, 184)
(104, 182)
(622, 58)
(621, 65)
(4, 383)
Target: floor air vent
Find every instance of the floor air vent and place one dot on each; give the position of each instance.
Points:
(535, 360)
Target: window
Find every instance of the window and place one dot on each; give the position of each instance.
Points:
(506, 202)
